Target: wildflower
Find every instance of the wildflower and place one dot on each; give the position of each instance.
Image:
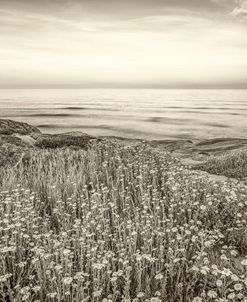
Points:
(98, 266)
(140, 295)
(193, 239)
(58, 267)
(67, 280)
(66, 252)
(119, 273)
(195, 268)
(219, 283)
(5, 277)
(155, 299)
(244, 262)
(97, 293)
(238, 287)
(231, 296)
(203, 208)
(36, 288)
(207, 243)
(223, 257)
(159, 276)
(138, 257)
(204, 270)
(234, 277)
(79, 276)
(114, 279)
(226, 272)
(212, 294)
(52, 295)
(197, 299)
(234, 253)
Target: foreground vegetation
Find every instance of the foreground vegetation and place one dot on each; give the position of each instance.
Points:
(231, 164)
(119, 224)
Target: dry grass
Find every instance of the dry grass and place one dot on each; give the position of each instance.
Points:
(231, 165)
(119, 224)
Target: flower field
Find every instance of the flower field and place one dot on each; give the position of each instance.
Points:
(119, 223)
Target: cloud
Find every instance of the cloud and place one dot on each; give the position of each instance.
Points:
(114, 8)
(137, 42)
(25, 21)
(241, 10)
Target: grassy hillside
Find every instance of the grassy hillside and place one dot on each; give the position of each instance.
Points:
(119, 224)
(231, 164)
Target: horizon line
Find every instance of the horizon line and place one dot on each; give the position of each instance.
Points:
(237, 87)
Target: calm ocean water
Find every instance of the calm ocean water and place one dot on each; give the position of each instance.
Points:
(152, 114)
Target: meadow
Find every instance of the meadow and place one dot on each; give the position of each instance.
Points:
(117, 223)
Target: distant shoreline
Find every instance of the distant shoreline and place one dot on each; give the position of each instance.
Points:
(190, 151)
(124, 88)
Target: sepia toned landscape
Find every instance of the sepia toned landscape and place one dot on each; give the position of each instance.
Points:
(123, 151)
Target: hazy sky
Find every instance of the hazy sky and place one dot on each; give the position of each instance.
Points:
(122, 43)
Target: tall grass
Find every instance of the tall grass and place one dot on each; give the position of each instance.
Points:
(119, 224)
(231, 164)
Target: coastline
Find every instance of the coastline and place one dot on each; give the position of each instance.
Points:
(17, 139)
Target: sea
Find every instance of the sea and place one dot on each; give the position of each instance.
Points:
(131, 113)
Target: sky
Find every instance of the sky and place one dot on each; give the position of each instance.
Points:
(123, 43)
